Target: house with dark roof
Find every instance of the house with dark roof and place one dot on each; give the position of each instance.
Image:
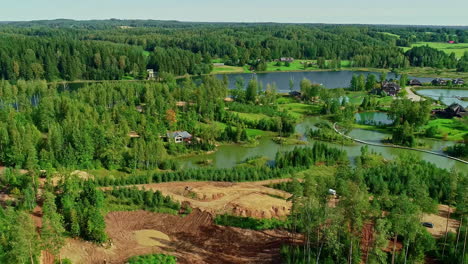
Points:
(295, 94)
(458, 81)
(454, 110)
(415, 82)
(439, 82)
(390, 88)
(179, 137)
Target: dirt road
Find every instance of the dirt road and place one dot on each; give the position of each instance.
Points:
(412, 96)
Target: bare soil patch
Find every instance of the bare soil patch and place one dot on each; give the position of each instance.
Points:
(440, 221)
(192, 239)
(150, 237)
(251, 199)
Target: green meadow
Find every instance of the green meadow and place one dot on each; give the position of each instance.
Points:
(458, 48)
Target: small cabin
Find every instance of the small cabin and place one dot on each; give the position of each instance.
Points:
(439, 82)
(295, 94)
(179, 137)
(151, 74)
(454, 110)
(332, 192)
(415, 82)
(390, 88)
(286, 59)
(458, 81)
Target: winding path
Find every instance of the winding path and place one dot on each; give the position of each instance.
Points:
(399, 147)
(412, 96)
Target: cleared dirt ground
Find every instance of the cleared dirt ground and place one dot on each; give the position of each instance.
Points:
(440, 221)
(192, 239)
(244, 199)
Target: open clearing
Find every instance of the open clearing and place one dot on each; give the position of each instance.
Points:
(440, 221)
(251, 199)
(192, 239)
(458, 48)
(151, 238)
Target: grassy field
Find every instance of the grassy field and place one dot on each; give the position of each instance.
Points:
(450, 129)
(459, 48)
(298, 110)
(251, 116)
(229, 69)
(318, 171)
(391, 34)
(298, 65)
(357, 97)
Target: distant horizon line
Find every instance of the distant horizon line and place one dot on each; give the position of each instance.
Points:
(228, 22)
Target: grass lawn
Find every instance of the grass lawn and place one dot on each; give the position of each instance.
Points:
(321, 171)
(298, 65)
(450, 129)
(227, 69)
(357, 97)
(459, 48)
(391, 34)
(250, 131)
(256, 132)
(298, 110)
(251, 116)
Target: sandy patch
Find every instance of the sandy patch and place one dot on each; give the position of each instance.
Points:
(151, 238)
(440, 221)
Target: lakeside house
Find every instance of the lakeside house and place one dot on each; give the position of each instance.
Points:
(458, 81)
(179, 137)
(439, 82)
(286, 59)
(390, 88)
(415, 82)
(295, 94)
(151, 74)
(454, 110)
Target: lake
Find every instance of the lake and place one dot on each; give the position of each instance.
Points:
(329, 79)
(448, 96)
(373, 118)
(228, 156)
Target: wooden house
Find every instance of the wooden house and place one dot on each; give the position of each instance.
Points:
(454, 110)
(179, 137)
(286, 59)
(390, 88)
(415, 82)
(151, 74)
(439, 82)
(458, 81)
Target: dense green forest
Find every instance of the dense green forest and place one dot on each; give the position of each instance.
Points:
(113, 50)
(121, 131)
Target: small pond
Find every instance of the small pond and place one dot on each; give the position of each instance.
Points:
(373, 118)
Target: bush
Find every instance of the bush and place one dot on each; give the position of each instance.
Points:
(249, 222)
(153, 259)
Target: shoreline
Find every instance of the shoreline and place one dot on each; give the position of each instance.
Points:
(357, 69)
